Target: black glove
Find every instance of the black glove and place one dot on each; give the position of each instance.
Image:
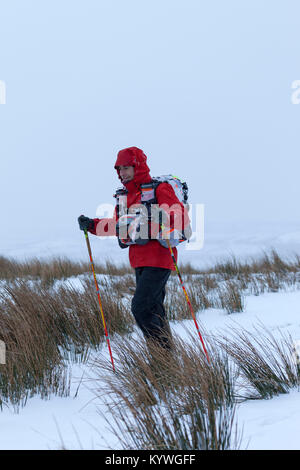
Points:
(85, 223)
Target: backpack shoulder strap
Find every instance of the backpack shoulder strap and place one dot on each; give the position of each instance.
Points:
(148, 195)
(120, 192)
(121, 201)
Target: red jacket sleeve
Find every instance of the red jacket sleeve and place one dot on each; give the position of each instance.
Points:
(105, 227)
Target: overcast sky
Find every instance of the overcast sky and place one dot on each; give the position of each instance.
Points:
(203, 87)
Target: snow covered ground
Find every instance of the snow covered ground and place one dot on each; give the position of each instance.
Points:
(75, 422)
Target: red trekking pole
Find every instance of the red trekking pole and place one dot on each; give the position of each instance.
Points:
(188, 300)
(99, 298)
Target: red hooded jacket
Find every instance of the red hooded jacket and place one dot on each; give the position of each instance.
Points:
(153, 253)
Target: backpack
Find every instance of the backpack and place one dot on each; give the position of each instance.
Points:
(148, 197)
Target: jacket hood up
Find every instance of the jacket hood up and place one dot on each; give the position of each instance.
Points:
(133, 156)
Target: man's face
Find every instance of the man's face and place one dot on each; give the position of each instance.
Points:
(126, 173)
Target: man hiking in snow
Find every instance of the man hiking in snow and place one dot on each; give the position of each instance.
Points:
(146, 237)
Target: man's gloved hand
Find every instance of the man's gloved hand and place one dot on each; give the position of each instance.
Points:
(172, 235)
(85, 223)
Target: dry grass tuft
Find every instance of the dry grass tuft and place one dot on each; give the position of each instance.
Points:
(47, 271)
(267, 364)
(46, 329)
(163, 400)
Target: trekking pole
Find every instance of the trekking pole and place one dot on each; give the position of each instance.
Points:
(99, 298)
(187, 299)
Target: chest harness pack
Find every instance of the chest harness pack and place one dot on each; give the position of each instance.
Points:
(129, 223)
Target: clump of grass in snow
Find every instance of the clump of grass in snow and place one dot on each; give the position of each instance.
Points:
(33, 362)
(49, 270)
(231, 297)
(43, 328)
(267, 364)
(163, 400)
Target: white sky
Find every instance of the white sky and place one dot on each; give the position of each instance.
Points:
(204, 88)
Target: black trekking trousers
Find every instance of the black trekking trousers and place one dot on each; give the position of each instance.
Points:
(147, 304)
